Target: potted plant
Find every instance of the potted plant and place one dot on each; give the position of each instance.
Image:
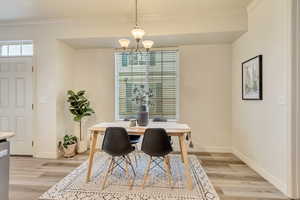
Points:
(69, 145)
(80, 108)
(142, 97)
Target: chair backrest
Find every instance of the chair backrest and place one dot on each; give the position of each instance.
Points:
(156, 142)
(159, 119)
(116, 142)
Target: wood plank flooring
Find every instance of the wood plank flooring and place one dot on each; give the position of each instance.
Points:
(232, 179)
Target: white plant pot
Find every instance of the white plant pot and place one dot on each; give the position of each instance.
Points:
(77, 130)
(70, 151)
(82, 146)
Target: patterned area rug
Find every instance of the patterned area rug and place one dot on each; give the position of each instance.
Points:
(74, 187)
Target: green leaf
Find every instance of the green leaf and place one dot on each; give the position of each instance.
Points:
(71, 93)
(86, 114)
(77, 118)
(81, 93)
(90, 110)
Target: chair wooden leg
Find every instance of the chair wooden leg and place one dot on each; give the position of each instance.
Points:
(112, 167)
(109, 170)
(168, 169)
(126, 168)
(147, 173)
(135, 159)
(131, 183)
(131, 165)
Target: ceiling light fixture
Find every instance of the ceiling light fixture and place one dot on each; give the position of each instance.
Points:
(138, 34)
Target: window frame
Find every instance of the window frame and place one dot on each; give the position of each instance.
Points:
(16, 42)
(117, 88)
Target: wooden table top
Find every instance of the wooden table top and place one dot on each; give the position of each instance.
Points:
(172, 128)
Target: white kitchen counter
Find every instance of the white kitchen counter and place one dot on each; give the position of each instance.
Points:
(6, 135)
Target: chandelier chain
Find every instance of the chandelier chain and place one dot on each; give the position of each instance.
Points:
(136, 12)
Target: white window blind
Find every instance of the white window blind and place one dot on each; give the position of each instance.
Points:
(156, 70)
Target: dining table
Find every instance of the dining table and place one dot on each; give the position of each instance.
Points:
(175, 129)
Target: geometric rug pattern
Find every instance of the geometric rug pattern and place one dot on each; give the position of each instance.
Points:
(74, 187)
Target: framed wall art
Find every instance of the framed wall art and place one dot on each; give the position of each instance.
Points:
(252, 79)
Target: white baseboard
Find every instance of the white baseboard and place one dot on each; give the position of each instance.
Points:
(50, 155)
(260, 170)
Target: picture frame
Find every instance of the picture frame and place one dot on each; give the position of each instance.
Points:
(252, 78)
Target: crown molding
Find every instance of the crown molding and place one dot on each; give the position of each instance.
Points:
(253, 5)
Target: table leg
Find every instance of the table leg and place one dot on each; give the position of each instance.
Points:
(184, 153)
(180, 149)
(91, 156)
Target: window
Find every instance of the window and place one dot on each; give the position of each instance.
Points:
(16, 48)
(157, 70)
(4, 50)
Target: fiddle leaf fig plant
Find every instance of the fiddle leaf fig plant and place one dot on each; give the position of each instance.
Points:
(79, 107)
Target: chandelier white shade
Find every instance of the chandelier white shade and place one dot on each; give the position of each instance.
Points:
(148, 44)
(124, 43)
(138, 33)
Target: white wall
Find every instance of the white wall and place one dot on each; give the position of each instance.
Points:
(64, 81)
(260, 128)
(95, 73)
(205, 95)
(205, 90)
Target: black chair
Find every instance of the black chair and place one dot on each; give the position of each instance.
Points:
(157, 145)
(116, 144)
(162, 119)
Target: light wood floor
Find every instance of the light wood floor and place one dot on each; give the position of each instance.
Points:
(232, 179)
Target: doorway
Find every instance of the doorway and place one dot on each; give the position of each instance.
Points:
(16, 102)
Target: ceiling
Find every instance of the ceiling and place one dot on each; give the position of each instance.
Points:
(39, 10)
(167, 22)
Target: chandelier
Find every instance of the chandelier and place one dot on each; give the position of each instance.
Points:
(138, 34)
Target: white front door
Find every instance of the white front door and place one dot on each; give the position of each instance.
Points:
(16, 102)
